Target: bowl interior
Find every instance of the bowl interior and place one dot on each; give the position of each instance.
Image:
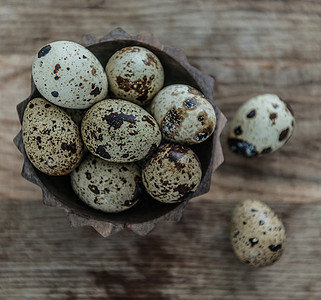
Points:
(147, 208)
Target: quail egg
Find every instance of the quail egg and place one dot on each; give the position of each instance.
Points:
(172, 174)
(106, 186)
(120, 131)
(257, 234)
(183, 114)
(51, 139)
(135, 74)
(261, 125)
(69, 75)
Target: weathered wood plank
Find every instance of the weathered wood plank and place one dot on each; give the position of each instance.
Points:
(250, 47)
(43, 258)
(14, 87)
(281, 29)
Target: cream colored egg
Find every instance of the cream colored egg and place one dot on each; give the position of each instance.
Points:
(183, 114)
(106, 186)
(172, 174)
(135, 74)
(69, 75)
(120, 131)
(261, 125)
(257, 234)
(51, 139)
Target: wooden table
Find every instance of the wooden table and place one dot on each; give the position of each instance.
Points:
(250, 47)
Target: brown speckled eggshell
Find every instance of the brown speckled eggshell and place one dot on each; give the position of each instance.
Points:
(106, 186)
(183, 114)
(135, 74)
(69, 75)
(260, 126)
(120, 131)
(172, 174)
(51, 138)
(256, 233)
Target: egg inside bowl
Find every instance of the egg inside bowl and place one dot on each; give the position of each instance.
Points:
(142, 217)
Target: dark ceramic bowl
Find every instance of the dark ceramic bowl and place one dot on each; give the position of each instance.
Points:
(143, 217)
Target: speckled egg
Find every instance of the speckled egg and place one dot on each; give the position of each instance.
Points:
(135, 74)
(51, 139)
(120, 131)
(172, 174)
(257, 234)
(69, 75)
(106, 186)
(183, 114)
(261, 125)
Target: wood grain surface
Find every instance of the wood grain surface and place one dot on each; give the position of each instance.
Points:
(250, 47)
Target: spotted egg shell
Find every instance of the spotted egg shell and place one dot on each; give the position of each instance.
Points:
(261, 125)
(51, 139)
(135, 74)
(256, 233)
(120, 131)
(69, 75)
(172, 174)
(106, 186)
(183, 114)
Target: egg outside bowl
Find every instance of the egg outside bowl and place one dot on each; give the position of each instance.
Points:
(144, 216)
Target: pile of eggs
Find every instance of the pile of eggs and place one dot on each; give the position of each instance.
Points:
(115, 129)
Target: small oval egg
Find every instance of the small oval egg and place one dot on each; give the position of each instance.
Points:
(69, 75)
(135, 74)
(261, 125)
(109, 187)
(120, 131)
(51, 139)
(172, 174)
(256, 233)
(183, 114)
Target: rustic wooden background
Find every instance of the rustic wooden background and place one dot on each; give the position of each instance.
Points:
(250, 47)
